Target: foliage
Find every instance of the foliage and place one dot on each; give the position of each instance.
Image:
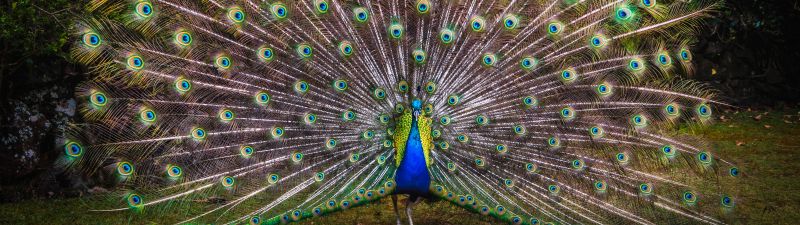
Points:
(33, 34)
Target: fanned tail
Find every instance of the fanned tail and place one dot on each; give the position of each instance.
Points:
(543, 111)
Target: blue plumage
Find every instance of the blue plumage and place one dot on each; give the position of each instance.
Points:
(412, 175)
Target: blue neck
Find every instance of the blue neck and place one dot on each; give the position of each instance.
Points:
(412, 175)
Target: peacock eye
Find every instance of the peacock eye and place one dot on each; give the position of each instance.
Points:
(239, 16)
(477, 23)
(554, 28)
(645, 189)
(277, 132)
(623, 14)
(278, 10)
(689, 197)
(453, 100)
(144, 9)
(704, 111)
(345, 48)
(622, 158)
(134, 201)
(135, 62)
(184, 38)
(223, 62)
(396, 31)
(636, 65)
(596, 41)
(482, 120)
(577, 164)
(361, 14)
(310, 118)
(685, 55)
(568, 75)
(423, 6)
(704, 158)
(419, 56)
(91, 39)
(174, 171)
(648, 3)
(124, 168)
(553, 142)
(147, 115)
(600, 186)
(227, 181)
(301, 87)
(554, 189)
(340, 85)
(297, 157)
(639, 120)
(265, 54)
(528, 63)
(322, 6)
(596, 132)
(529, 101)
(430, 87)
(734, 171)
(304, 50)
(727, 201)
(567, 113)
(73, 149)
(510, 22)
(489, 59)
(501, 148)
(98, 99)
(349, 115)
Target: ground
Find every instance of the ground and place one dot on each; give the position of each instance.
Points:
(765, 146)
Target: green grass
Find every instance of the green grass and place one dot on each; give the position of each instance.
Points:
(768, 153)
(768, 191)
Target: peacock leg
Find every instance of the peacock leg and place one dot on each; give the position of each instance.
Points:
(410, 206)
(396, 211)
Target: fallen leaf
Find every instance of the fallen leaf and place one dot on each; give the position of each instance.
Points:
(786, 121)
(739, 143)
(767, 126)
(757, 118)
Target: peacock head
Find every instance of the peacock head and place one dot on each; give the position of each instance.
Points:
(416, 105)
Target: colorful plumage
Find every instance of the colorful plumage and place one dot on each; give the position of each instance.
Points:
(532, 112)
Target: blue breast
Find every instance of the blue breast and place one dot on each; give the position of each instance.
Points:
(412, 175)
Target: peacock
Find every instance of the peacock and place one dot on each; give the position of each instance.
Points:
(528, 111)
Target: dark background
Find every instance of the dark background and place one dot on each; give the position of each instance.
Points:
(750, 52)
